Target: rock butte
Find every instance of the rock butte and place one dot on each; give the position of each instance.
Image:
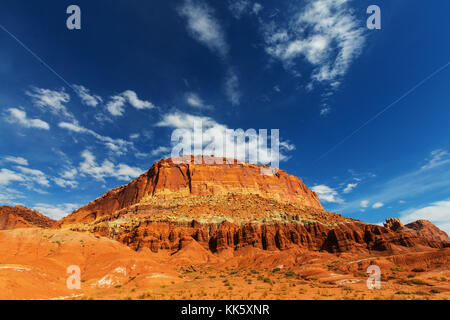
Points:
(21, 217)
(231, 206)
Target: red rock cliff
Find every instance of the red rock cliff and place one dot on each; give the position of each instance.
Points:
(21, 217)
(167, 180)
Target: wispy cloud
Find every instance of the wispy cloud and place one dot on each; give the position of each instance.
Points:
(323, 32)
(327, 194)
(86, 97)
(378, 205)
(160, 150)
(117, 103)
(195, 101)
(18, 116)
(437, 212)
(349, 188)
(239, 7)
(16, 160)
(437, 158)
(214, 135)
(34, 175)
(232, 88)
(203, 26)
(50, 100)
(119, 146)
(7, 176)
(364, 203)
(56, 212)
(407, 186)
(107, 169)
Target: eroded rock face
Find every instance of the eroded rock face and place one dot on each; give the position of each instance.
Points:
(421, 228)
(427, 229)
(345, 237)
(393, 224)
(232, 206)
(166, 179)
(21, 217)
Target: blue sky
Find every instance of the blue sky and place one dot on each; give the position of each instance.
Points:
(83, 111)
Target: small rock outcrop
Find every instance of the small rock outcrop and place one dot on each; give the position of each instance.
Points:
(22, 217)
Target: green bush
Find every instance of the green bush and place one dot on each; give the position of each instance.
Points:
(435, 291)
(399, 269)
(290, 273)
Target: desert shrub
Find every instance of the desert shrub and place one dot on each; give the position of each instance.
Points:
(276, 269)
(418, 270)
(290, 273)
(435, 291)
(267, 280)
(418, 282)
(399, 269)
(254, 271)
(403, 292)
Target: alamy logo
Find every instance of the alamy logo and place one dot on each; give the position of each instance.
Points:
(374, 21)
(74, 280)
(374, 280)
(73, 22)
(248, 146)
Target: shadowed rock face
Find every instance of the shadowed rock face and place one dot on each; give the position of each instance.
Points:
(346, 237)
(168, 180)
(21, 217)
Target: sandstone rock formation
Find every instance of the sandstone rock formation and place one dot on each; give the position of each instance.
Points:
(168, 180)
(233, 206)
(21, 217)
(423, 228)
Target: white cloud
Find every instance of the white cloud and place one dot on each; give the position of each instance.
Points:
(119, 146)
(256, 8)
(214, 135)
(437, 158)
(327, 194)
(67, 178)
(203, 25)
(53, 101)
(24, 176)
(349, 188)
(20, 117)
(406, 186)
(34, 175)
(6, 176)
(107, 169)
(8, 196)
(117, 103)
(56, 212)
(377, 205)
(437, 212)
(323, 32)
(160, 150)
(238, 7)
(325, 110)
(195, 101)
(16, 160)
(86, 97)
(134, 136)
(232, 89)
(364, 203)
